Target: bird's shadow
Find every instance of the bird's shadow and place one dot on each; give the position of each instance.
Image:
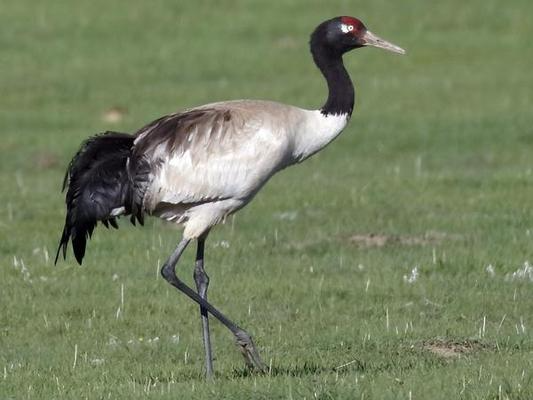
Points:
(300, 370)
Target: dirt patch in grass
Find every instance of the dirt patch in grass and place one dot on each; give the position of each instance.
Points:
(45, 160)
(114, 115)
(380, 240)
(450, 349)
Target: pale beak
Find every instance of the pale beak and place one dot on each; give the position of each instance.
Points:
(369, 39)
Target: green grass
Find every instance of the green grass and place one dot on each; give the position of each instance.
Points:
(440, 147)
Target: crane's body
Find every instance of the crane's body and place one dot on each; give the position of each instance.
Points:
(215, 165)
(200, 165)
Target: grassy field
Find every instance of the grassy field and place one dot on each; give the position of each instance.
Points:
(393, 265)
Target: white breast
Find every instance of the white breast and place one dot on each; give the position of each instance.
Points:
(316, 133)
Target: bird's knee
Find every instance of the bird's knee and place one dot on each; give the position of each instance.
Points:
(168, 273)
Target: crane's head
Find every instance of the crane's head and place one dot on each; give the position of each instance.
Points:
(342, 34)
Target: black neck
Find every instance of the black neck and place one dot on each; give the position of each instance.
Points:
(341, 91)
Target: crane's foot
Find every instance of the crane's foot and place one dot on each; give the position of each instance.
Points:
(249, 352)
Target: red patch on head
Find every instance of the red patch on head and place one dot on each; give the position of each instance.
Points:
(358, 26)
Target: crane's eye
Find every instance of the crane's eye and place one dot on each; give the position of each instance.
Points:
(345, 28)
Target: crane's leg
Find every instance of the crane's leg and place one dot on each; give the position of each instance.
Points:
(202, 283)
(243, 339)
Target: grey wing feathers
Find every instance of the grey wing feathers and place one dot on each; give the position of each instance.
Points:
(173, 133)
(171, 136)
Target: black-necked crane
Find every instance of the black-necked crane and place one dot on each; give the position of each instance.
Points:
(200, 165)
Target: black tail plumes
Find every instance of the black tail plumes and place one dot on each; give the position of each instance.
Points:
(98, 188)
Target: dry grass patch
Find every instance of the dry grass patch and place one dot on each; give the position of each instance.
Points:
(46, 160)
(114, 115)
(450, 349)
(381, 240)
